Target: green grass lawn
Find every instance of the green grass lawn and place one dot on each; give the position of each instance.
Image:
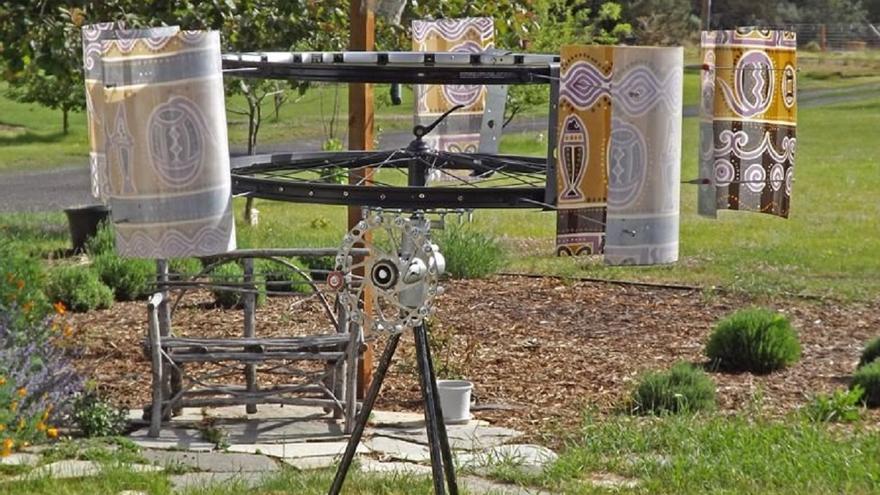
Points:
(31, 137)
(703, 454)
(715, 454)
(828, 247)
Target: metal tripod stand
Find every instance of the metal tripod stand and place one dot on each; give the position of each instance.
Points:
(442, 465)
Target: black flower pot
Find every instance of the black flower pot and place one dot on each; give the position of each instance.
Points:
(84, 222)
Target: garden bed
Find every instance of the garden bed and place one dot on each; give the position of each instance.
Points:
(540, 350)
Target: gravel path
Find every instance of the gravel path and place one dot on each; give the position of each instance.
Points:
(68, 186)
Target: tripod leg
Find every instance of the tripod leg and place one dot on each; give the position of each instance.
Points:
(432, 423)
(448, 462)
(364, 415)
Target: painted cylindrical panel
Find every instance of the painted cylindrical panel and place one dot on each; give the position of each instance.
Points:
(92, 37)
(644, 157)
(166, 145)
(584, 126)
(460, 132)
(707, 203)
(754, 120)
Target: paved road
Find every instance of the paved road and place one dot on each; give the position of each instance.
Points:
(66, 187)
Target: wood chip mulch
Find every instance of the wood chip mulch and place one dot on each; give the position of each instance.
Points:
(539, 350)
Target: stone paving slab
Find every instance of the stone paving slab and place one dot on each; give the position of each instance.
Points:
(399, 419)
(393, 467)
(397, 449)
(297, 449)
(76, 469)
(268, 411)
(307, 463)
(270, 449)
(172, 438)
(279, 430)
(190, 481)
(477, 485)
(471, 436)
(218, 462)
(188, 414)
(308, 438)
(20, 459)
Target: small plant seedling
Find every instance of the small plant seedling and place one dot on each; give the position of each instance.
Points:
(842, 406)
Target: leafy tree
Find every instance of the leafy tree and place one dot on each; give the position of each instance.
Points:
(728, 14)
(831, 11)
(41, 58)
(872, 7)
(563, 22)
(662, 22)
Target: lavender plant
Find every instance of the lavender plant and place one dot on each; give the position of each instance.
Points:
(37, 379)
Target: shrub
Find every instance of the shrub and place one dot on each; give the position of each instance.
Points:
(104, 241)
(228, 273)
(95, 417)
(79, 288)
(871, 352)
(681, 389)
(469, 253)
(21, 285)
(318, 263)
(756, 340)
(841, 406)
(282, 278)
(231, 274)
(868, 378)
(184, 268)
(129, 279)
(37, 379)
(813, 47)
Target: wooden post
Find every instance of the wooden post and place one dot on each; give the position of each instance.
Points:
(360, 137)
(156, 366)
(172, 378)
(250, 308)
(706, 16)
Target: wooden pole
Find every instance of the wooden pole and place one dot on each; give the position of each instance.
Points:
(250, 323)
(707, 15)
(360, 137)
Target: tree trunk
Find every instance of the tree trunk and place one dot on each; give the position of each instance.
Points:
(65, 122)
(254, 117)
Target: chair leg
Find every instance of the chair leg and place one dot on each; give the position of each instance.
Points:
(250, 305)
(351, 378)
(158, 381)
(338, 382)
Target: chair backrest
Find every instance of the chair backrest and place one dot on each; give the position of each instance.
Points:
(242, 278)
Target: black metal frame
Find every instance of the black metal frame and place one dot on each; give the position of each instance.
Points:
(428, 68)
(335, 67)
(405, 197)
(432, 68)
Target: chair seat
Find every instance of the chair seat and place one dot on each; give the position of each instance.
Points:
(329, 347)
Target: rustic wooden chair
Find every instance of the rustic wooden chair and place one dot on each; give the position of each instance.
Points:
(178, 362)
